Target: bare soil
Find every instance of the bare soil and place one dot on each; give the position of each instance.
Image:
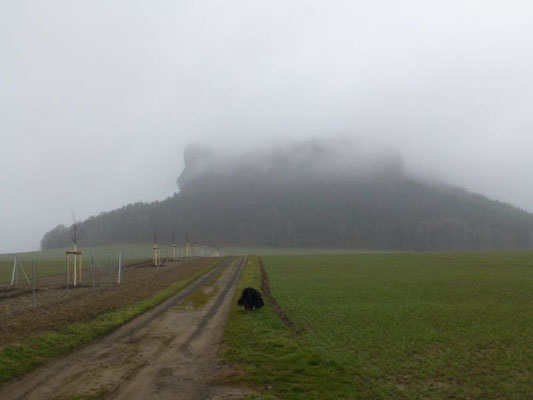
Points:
(57, 306)
(166, 353)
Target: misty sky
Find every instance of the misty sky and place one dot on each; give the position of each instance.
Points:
(99, 98)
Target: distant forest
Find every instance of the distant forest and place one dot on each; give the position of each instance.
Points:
(310, 194)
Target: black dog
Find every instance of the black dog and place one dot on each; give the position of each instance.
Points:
(250, 299)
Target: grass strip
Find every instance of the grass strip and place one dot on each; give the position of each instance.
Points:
(201, 296)
(18, 359)
(269, 356)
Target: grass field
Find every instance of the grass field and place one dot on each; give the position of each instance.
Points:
(143, 250)
(453, 325)
(278, 251)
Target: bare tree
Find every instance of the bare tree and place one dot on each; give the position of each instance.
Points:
(75, 230)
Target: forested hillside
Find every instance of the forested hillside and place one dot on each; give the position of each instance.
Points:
(312, 193)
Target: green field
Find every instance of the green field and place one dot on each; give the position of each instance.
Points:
(451, 325)
(278, 251)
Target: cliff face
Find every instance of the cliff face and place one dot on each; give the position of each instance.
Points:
(313, 193)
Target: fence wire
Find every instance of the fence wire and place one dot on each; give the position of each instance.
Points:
(27, 283)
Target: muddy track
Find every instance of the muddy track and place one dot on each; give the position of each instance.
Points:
(169, 352)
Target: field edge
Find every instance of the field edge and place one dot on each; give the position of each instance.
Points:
(269, 357)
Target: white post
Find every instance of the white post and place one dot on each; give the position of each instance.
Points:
(33, 284)
(119, 265)
(75, 266)
(14, 268)
(68, 276)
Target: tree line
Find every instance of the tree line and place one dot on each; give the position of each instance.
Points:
(386, 212)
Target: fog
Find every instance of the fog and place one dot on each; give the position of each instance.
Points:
(315, 159)
(99, 99)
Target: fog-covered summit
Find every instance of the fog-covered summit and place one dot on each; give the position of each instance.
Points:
(316, 193)
(309, 160)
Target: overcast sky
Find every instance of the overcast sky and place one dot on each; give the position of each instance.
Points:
(99, 98)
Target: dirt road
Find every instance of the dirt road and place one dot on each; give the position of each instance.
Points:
(170, 352)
